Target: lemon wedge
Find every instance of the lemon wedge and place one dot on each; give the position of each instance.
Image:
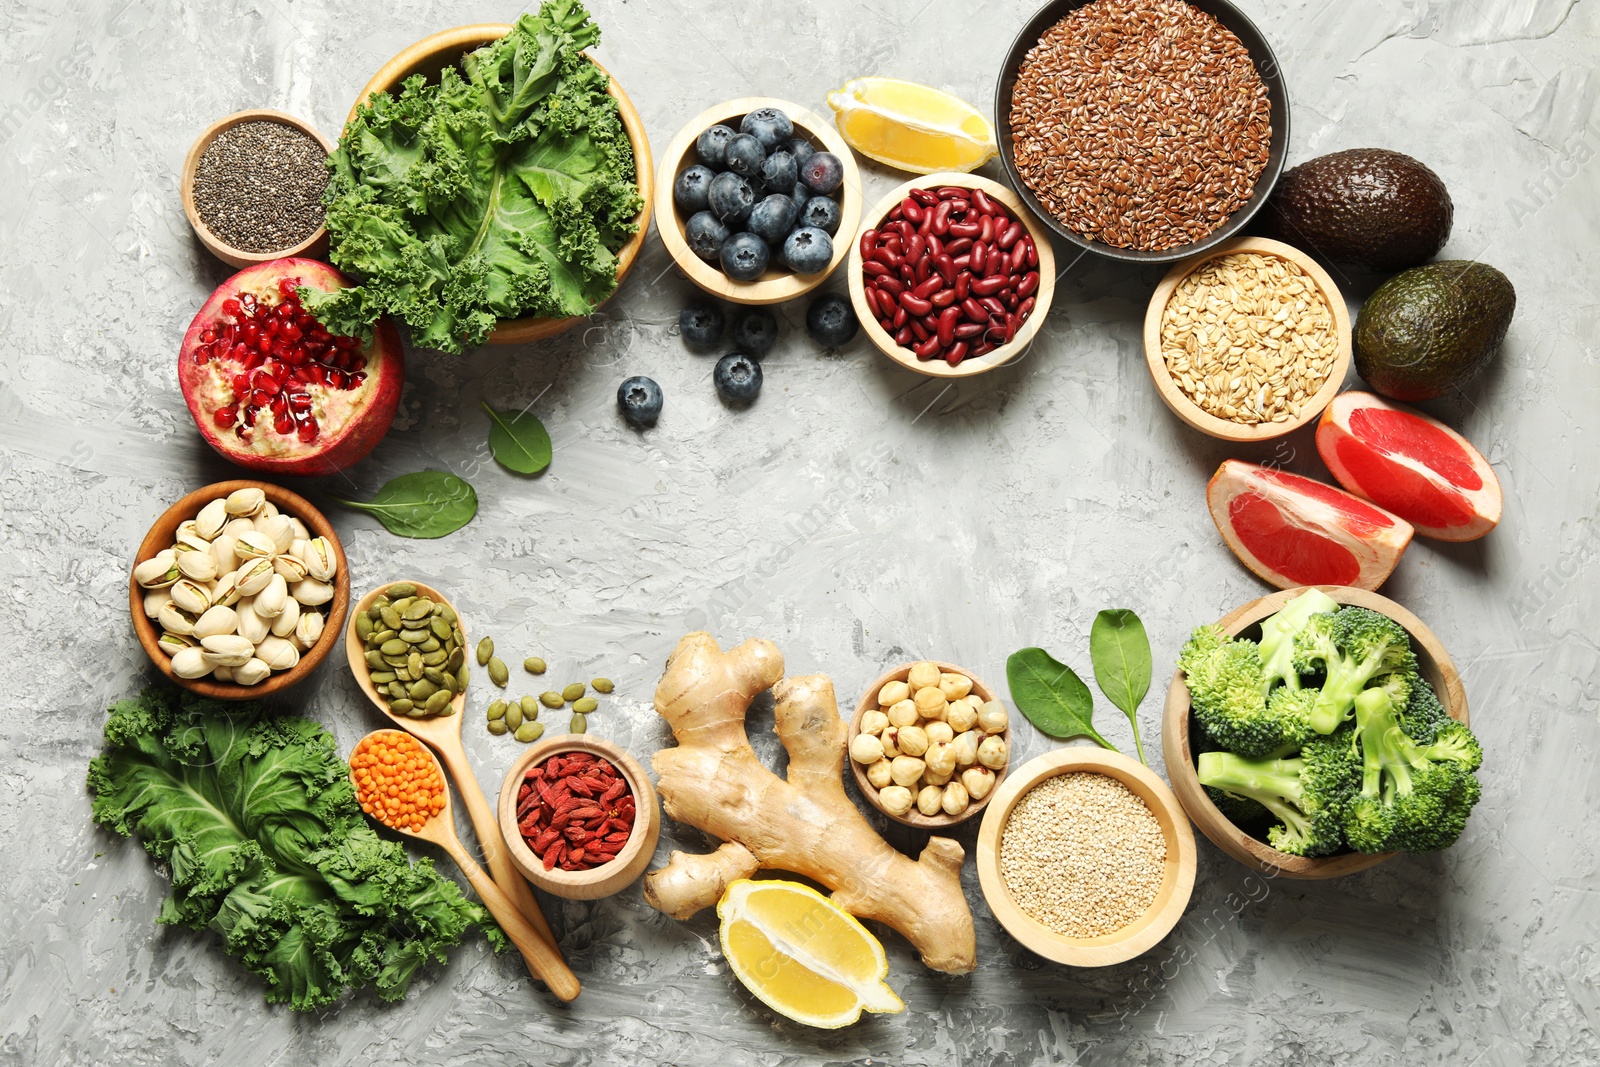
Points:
(911, 127)
(804, 956)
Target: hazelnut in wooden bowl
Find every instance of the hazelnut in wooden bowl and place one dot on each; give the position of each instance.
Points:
(1178, 732)
(432, 54)
(777, 283)
(556, 769)
(929, 744)
(978, 305)
(1279, 307)
(239, 590)
(1085, 856)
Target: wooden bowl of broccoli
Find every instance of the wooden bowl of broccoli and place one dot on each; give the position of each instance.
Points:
(1315, 732)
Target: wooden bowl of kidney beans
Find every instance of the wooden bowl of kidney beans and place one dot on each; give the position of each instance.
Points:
(951, 276)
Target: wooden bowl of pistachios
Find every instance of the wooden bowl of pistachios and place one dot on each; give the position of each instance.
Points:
(239, 590)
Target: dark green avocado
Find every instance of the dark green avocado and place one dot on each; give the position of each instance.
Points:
(1365, 207)
(1432, 328)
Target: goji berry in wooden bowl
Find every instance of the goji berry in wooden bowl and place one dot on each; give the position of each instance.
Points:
(579, 817)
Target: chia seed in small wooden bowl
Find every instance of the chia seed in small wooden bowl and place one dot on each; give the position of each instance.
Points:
(252, 187)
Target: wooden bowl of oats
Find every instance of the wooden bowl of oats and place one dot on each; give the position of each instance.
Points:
(1247, 341)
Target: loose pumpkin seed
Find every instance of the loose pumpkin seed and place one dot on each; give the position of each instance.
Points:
(455, 659)
(421, 689)
(530, 707)
(397, 690)
(363, 627)
(461, 675)
(381, 677)
(529, 732)
(395, 647)
(533, 665)
(551, 699)
(499, 728)
(400, 589)
(391, 618)
(601, 685)
(440, 628)
(497, 710)
(375, 660)
(436, 658)
(574, 691)
(485, 651)
(514, 716)
(384, 635)
(414, 637)
(438, 702)
(414, 664)
(401, 706)
(580, 724)
(584, 705)
(434, 675)
(498, 674)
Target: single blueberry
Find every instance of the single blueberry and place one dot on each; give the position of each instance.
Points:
(737, 377)
(701, 324)
(640, 400)
(705, 234)
(755, 331)
(731, 198)
(712, 146)
(772, 218)
(831, 321)
(807, 250)
(745, 257)
(823, 213)
(800, 195)
(802, 150)
(692, 189)
(745, 156)
(769, 126)
(779, 171)
(822, 171)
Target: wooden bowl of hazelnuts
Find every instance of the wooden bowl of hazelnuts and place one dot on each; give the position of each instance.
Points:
(929, 744)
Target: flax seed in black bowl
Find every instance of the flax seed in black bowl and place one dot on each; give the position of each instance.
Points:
(1142, 130)
(253, 185)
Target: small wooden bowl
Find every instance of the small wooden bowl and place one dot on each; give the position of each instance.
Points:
(1177, 881)
(938, 368)
(778, 283)
(1434, 663)
(431, 55)
(1194, 414)
(869, 702)
(609, 878)
(315, 246)
(161, 536)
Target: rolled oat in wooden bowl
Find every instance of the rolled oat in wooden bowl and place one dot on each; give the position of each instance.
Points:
(1247, 341)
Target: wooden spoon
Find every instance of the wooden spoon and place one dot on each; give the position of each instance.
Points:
(544, 961)
(442, 733)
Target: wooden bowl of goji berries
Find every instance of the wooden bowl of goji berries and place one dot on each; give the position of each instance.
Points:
(579, 816)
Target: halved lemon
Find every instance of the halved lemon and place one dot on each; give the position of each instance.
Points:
(911, 127)
(803, 955)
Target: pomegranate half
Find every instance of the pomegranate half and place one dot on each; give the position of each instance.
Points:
(271, 389)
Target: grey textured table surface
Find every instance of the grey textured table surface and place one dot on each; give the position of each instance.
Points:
(1062, 485)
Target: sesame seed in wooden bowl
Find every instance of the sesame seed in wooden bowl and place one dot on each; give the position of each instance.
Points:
(1215, 292)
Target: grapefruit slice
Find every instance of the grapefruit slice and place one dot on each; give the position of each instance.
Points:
(1294, 531)
(1410, 464)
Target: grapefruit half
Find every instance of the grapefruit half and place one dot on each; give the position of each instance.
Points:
(1294, 531)
(1410, 464)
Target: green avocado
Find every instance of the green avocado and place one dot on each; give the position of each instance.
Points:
(1432, 328)
(1364, 207)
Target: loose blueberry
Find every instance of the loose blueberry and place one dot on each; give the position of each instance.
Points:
(712, 146)
(769, 126)
(801, 149)
(731, 198)
(737, 377)
(823, 213)
(705, 234)
(640, 400)
(745, 257)
(831, 321)
(745, 156)
(692, 189)
(755, 331)
(807, 250)
(779, 172)
(822, 171)
(773, 218)
(701, 324)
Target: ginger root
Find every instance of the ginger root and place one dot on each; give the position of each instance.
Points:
(802, 823)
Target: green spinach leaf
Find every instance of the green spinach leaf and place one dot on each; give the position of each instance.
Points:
(1052, 696)
(1120, 651)
(518, 440)
(421, 504)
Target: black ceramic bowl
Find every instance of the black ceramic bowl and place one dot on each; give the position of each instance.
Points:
(1266, 65)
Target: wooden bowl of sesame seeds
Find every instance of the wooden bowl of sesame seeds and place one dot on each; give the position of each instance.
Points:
(1286, 328)
(1113, 852)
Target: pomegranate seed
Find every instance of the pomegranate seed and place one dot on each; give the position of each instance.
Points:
(252, 333)
(287, 286)
(202, 354)
(338, 379)
(283, 424)
(259, 399)
(241, 384)
(254, 360)
(208, 335)
(357, 378)
(307, 430)
(226, 417)
(265, 382)
(304, 374)
(239, 353)
(319, 374)
(279, 405)
(230, 306)
(300, 403)
(250, 414)
(293, 332)
(296, 356)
